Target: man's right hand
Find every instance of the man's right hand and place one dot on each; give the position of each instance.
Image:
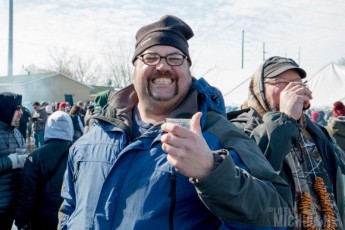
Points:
(294, 99)
(17, 160)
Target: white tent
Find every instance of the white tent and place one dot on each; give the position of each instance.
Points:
(327, 85)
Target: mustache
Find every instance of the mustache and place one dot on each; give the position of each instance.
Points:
(159, 74)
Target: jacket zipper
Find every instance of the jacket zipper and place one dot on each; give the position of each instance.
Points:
(172, 195)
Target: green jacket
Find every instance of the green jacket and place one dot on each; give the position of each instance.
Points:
(275, 134)
(336, 128)
(269, 202)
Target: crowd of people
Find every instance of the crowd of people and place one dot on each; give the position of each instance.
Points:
(119, 164)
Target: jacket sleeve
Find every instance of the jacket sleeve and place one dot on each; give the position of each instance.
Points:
(68, 194)
(243, 189)
(5, 164)
(28, 192)
(236, 197)
(276, 137)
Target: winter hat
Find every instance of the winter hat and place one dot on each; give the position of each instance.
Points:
(169, 30)
(8, 105)
(63, 104)
(338, 109)
(59, 126)
(277, 65)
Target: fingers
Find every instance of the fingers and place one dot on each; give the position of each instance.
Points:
(299, 88)
(172, 139)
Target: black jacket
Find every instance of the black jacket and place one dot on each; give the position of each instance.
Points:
(39, 196)
(10, 139)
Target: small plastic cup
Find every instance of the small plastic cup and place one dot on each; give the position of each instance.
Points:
(179, 121)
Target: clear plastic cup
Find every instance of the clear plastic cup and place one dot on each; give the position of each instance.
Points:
(179, 121)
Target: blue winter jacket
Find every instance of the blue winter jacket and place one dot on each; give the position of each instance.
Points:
(115, 182)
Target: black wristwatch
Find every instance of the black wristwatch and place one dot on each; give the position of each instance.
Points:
(218, 156)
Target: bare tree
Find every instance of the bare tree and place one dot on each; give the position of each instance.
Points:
(82, 69)
(85, 70)
(118, 64)
(61, 61)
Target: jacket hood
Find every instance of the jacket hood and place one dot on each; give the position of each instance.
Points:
(8, 105)
(336, 125)
(59, 126)
(256, 96)
(101, 98)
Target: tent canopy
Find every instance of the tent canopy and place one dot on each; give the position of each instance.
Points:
(327, 85)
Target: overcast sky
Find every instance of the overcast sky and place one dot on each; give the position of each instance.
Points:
(310, 31)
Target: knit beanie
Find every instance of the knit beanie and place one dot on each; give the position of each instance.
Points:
(338, 109)
(59, 126)
(169, 30)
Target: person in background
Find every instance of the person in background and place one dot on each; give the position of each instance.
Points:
(39, 199)
(82, 112)
(23, 124)
(38, 119)
(49, 110)
(315, 116)
(300, 150)
(132, 170)
(62, 106)
(11, 161)
(56, 106)
(336, 124)
(96, 108)
(77, 123)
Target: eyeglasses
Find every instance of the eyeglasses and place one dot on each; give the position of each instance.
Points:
(19, 107)
(277, 80)
(153, 59)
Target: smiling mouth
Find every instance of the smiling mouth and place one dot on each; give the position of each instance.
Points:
(163, 81)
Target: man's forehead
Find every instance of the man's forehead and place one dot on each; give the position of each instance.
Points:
(162, 49)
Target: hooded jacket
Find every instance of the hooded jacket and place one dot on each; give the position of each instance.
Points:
(113, 181)
(39, 197)
(276, 134)
(10, 139)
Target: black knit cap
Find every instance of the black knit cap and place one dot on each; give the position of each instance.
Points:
(169, 30)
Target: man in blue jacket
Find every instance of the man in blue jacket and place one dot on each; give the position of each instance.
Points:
(132, 170)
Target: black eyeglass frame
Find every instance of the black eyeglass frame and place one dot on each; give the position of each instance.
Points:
(267, 63)
(141, 58)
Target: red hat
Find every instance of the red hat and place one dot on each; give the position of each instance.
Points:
(63, 104)
(338, 109)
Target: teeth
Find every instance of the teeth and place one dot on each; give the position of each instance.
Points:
(165, 81)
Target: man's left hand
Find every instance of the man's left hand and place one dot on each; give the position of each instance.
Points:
(187, 150)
